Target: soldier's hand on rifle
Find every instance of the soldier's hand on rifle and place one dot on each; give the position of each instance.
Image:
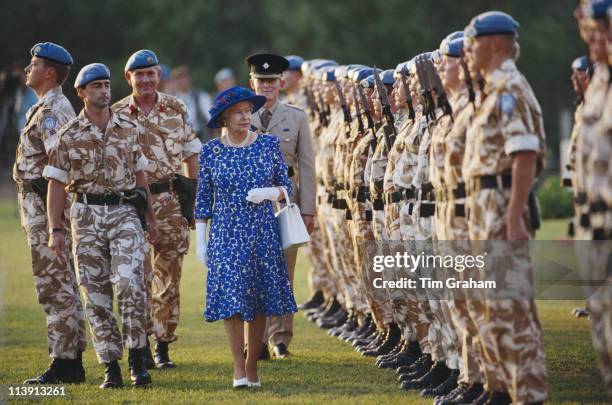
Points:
(152, 233)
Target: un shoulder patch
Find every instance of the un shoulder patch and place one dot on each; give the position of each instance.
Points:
(49, 123)
(507, 103)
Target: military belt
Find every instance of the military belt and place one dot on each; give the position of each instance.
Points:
(460, 210)
(162, 187)
(368, 215)
(340, 204)
(26, 187)
(362, 194)
(459, 191)
(580, 198)
(598, 206)
(378, 204)
(99, 199)
(410, 194)
(427, 192)
(290, 171)
(427, 210)
(567, 182)
(490, 181)
(378, 185)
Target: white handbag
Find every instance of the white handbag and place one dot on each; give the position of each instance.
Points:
(293, 232)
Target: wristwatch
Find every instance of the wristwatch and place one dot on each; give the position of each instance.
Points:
(55, 230)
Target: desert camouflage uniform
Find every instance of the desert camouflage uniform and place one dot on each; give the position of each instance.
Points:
(593, 173)
(441, 336)
(416, 323)
(456, 229)
(108, 240)
(167, 138)
(328, 215)
(54, 277)
(510, 333)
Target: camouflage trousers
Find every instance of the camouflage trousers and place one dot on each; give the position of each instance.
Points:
(509, 330)
(317, 276)
(327, 222)
(345, 258)
(163, 272)
(381, 295)
(55, 282)
(413, 307)
(108, 246)
(456, 232)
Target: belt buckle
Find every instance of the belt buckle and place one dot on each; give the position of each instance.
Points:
(171, 185)
(85, 198)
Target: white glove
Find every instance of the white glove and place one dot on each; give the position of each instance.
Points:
(257, 195)
(201, 250)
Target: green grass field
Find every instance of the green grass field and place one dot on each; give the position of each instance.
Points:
(322, 369)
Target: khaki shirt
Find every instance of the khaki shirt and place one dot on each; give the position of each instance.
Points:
(571, 147)
(455, 147)
(290, 125)
(166, 135)
(406, 164)
(509, 120)
(598, 167)
(404, 129)
(90, 161)
(43, 122)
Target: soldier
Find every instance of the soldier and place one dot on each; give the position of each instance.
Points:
(293, 93)
(98, 158)
(499, 176)
(593, 177)
(54, 277)
(290, 125)
(169, 142)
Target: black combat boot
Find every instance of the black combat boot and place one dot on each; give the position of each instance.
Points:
(416, 370)
(410, 352)
(112, 376)
(434, 377)
(445, 388)
(313, 302)
(147, 357)
(391, 340)
(162, 359)
(52, 375)
(138, 373)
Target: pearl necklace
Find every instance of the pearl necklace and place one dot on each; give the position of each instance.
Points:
(246, 140)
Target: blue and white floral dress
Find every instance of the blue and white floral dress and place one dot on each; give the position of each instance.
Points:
(247, 273)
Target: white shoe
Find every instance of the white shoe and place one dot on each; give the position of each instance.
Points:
(255, 384)
(241, 382)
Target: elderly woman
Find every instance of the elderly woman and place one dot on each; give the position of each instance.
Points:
(240, 175)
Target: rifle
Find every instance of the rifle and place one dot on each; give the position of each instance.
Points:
(345, 109)
(436, 85)
(404, 79)
(468, 79)
(323, 117)
(366, 106)
(312, 106)
(428, 101)
(358, 109)
(389, 130)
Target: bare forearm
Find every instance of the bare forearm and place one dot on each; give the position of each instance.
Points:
(523, 176)
(190, 167)
(56, 198)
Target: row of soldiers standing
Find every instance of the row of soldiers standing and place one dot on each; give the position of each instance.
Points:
(447, 147)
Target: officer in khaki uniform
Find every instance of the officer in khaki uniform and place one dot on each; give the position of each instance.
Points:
(290, 125)
(169, 142)
(54, 277)
(98, 158)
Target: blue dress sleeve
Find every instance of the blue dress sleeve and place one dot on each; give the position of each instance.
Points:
(205, 194)
(281, 177)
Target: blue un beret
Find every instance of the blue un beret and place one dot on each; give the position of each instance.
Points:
(327, 73)
(387, 77)
(91, 72)
(360, 74)
(165, 71)
(491, 23)
(141, 59)
(295, 62)
(597, 9)
(52, 52)
(580, 63)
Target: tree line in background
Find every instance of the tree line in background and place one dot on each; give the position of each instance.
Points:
(208, 35)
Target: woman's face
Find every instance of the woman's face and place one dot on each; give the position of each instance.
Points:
(238, 117)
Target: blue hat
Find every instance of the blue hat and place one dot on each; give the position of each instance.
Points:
(165, 71)
(368, 82)
(327, 73)
(141, 59)
(295, 62)
(230, 97)
(91, 72)
(580, 63)
(52, 52)
(452, 44)
(597, 9)
(491, 23)
(387, 77)
(360, 74)
(313, 68)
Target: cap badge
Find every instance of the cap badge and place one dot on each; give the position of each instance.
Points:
(266, 66)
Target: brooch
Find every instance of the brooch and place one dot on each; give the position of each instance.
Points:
(216, 149)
